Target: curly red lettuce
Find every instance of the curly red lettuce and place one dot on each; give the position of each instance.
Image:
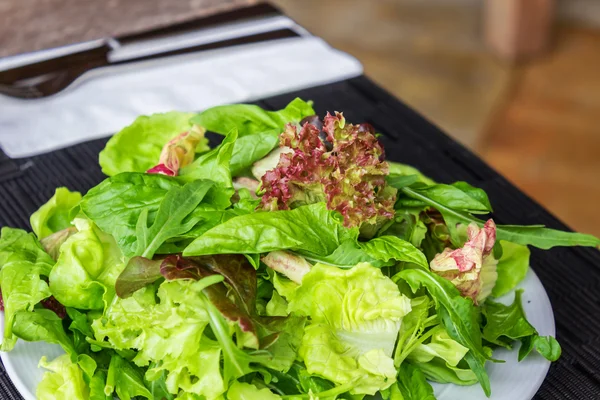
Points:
(335, 162)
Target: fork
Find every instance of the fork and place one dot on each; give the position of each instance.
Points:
(49, 77)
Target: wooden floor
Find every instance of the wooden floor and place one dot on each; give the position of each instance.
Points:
(538, 124)
(546, 135)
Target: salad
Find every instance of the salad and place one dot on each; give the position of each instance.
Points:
(290, 261)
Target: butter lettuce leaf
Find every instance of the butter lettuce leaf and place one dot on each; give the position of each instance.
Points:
(55, 215)
(43, 325)
(23, 266)
(63, 380)
(88, 266)
(355, 316)
(247, 391)
(137, 147)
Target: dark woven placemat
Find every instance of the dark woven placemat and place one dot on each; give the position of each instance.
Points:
(571, 276)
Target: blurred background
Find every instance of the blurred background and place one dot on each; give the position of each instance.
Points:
(516, 81)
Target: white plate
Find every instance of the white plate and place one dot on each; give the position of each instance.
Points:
(510, 381)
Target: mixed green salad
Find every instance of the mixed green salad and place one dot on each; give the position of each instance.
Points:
(291, 261)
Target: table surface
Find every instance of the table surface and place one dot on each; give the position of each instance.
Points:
(571, 276)
(29, 25)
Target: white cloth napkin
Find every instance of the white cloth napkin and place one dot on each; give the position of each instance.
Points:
(104, 100)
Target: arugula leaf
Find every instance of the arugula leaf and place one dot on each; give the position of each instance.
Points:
(512, 267)
(55, 215)
(115, 204)
(258, 129)
(534, 235)
(43, 325)
(214, 165)
(137, 147)
(124, 206)
(23, 263)
(412, 384)
(169, 220)
(125, 379)
(458, 316)
(508, 323)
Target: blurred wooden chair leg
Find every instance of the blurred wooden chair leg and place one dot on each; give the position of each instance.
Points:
(518, 29)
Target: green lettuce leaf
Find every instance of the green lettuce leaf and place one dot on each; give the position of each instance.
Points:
(258, 129)
(411, 385)
(512, 267)
(137, 147)
(88, 266)
(355, 318)
(505, 324)
(125, 380)
(411, 332)
(458, 316)
(127, 203)
(23, 264)
(438, 370)
(249, 119)
(214, 165)
(247, 391)
(167, 329)
(158, 386)
(439, 345)
(43, 325)
(55, 215)
(64, 380)
(459, 196)
(171, 219)
(96, 385)
(407, 170)
(312, 230)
